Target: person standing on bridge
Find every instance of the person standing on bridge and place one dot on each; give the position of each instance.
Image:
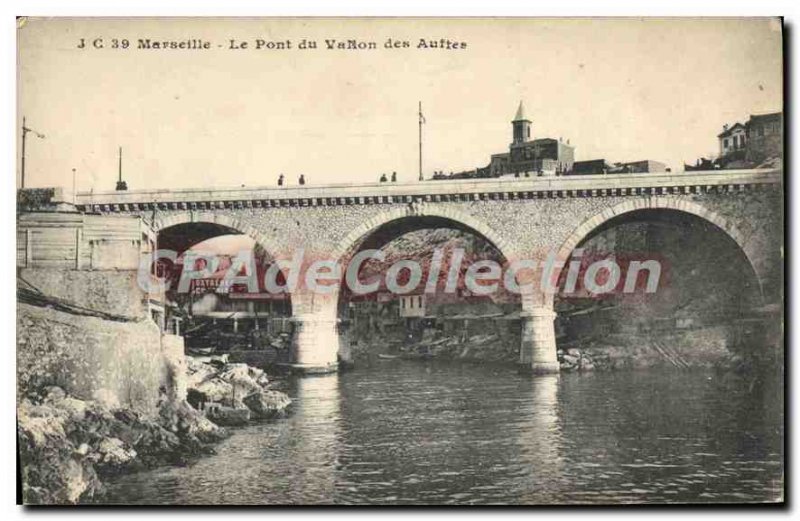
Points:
(394, 177)
(302, 180)
(280, 180)
(383, 178)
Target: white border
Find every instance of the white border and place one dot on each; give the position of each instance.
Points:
(583, 8)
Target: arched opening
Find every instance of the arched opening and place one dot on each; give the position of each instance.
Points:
(216, 296)
(697, 308)
(436, 313)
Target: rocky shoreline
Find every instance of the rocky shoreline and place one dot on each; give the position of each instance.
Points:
(705, 348)
(67, 445)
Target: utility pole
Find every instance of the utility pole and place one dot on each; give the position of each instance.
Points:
(121, 185)
(421, 121)
(25, 131)
(74, 187)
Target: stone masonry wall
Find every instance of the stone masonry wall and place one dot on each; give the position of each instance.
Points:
(111, 291)
(117, 363)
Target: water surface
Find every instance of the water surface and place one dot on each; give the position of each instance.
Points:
(414, 432)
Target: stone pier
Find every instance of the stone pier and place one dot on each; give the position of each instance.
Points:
(315, 344)
(538, 344)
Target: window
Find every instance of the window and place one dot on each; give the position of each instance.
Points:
(725, 143)
(419, 302)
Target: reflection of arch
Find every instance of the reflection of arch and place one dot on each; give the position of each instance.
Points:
(662, 203)
(167, 221)
(352, 241)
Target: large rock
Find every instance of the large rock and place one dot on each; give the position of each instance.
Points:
(198, 372)
(239, 376)
(229, 416)
(113, 454)
(570, 359)
(217, 390)
(267, 404)
(54, 470)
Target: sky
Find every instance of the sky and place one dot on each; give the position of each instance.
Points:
(618, 89)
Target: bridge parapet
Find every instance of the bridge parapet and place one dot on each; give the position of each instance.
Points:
(433, 191)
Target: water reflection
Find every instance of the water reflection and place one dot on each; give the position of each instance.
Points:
(313, 439)
(540, 441)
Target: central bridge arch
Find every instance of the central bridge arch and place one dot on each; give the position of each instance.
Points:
(391, 224)
(421, 210)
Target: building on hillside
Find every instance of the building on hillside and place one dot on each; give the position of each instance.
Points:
(525, 157)
(644, 166)
(412, 305)
(702, 164)
(601, 166)
(732, 138)
(529, 157)
(590, 167)
(543, 156)
(232, 307)
(764, 137)
(756, 143)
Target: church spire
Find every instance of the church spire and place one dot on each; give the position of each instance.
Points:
(521, 113)
(521, 126)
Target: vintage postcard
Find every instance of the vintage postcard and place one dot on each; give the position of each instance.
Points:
(400, 261)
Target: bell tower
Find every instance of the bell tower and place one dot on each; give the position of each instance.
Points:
(522, 126)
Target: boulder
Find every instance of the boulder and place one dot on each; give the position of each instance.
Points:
(229, 416)
(54, 470)
(198, 372)
(194, 423)
(217, 390)
(570, 359)
(267, 404)
(258, 375)
(238, 375)
(113, 453)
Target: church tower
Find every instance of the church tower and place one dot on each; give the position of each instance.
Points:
(522, 126)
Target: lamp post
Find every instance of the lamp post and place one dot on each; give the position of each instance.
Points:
(421, 122)
(25, 131)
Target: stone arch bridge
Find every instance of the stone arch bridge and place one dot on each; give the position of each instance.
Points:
(522, 218)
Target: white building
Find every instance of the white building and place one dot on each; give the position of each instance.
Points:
(732, 139)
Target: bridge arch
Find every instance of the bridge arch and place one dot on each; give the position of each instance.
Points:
(213, 225)
(675, 204)
(162, 222)
(392, 223)
(351, 242)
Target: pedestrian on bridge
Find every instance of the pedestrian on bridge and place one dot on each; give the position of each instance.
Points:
(302, 179)
(383, 178)
(394, 177)
(280, 180)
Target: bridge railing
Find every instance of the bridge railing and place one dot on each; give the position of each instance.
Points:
(433, 188)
